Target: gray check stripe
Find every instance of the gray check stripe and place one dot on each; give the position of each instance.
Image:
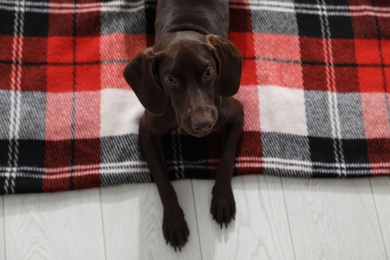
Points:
(15, 109)
(134, 6)
(313, 9)
(64, 8)
(332, 94)
(308, 167)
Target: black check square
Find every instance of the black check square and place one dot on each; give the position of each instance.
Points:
(88, 24)
(31, 153)
(355, 151)
(340, 26)
(150, 12)
(240, 20)
(309, 25)
(36, 24)
(322, 149)
(6, 26)
(185, 146)
(25, 185)
(4, 153)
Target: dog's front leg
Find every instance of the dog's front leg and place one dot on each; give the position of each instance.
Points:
(175, 227)
(223, 206)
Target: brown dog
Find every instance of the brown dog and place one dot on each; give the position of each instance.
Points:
(187, 79)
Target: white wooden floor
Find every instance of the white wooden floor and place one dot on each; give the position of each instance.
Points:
(277, 218)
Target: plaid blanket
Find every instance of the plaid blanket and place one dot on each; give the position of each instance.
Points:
(315, 90)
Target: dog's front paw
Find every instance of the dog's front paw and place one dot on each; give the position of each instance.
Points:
(175, 228)
(223, 206)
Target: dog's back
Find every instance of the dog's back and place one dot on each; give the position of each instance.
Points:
(203, 16)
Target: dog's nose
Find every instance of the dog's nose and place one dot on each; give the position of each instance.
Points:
(202, 124)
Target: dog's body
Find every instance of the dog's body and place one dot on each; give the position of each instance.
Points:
(187, 79)
(203, 16)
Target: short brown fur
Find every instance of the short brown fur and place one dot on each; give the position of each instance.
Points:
(186, 80)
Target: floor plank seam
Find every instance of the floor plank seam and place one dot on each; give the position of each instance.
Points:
(378, 219)
(102, 216)
(196, 218)
(288, 218)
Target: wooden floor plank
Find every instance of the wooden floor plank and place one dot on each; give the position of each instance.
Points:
(65, 225)
(381, 190)
(2, 242)
(333, 219)
(260, 230)
(133, 222)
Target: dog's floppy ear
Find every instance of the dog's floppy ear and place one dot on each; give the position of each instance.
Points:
(140, 74)
(229, 61)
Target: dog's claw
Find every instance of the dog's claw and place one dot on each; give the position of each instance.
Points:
(167, 242)
(179, 249)
(226, 225)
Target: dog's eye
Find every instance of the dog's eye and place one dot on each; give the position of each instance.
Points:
(208, 73)
(170, 79)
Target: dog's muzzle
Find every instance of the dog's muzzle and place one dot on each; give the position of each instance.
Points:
(200, 121)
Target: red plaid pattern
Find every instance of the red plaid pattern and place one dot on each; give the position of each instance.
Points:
(315, 91)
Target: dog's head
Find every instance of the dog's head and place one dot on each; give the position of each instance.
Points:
(190, 71)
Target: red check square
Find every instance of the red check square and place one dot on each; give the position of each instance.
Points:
(250, 95)
(33, 78)
(249, 153)
(346, 79)
(88, 49)
(280, 74)
(312, 50)
(370, 79)
(385, 45)
(249, 74)
(387, 75)
(367, 51)
(244, 43)
(58, 49)
(5, 79)
(314, 77)
(121, 46)
(88, 77)
(384, 21)
(34, 49)
(378, 153)
(60, 24)
(87, 152)
(375, 116)
(6, 43)
(343, 51)
(59, 107)
(364, 26)
(89, 23)
(87, 114)
(278, 47)
(59, 78)
(112, 76)
(133, 45)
